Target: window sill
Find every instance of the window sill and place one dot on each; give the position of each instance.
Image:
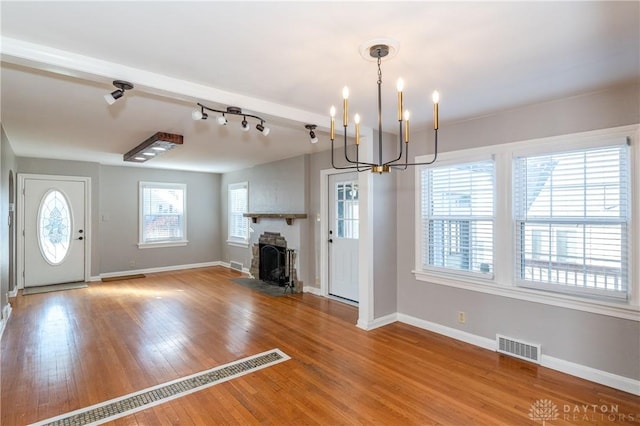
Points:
(617, 310)
(180, 243)
(236, 243)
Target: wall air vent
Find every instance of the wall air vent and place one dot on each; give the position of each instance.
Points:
(518, 348)
(235, 265)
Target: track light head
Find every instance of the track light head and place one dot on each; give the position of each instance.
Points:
(264, 130)
(112, 97)
(312, 133)
(222, 120)
(199, 114)
(245, 125)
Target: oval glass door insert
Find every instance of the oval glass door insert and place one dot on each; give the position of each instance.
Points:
(54, 227)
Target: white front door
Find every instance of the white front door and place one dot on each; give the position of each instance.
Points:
(343, 235)
(54, 231)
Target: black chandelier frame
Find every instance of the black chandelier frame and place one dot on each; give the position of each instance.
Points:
(379, 51)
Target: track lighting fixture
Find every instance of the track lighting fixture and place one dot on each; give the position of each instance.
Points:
(117, 94)
(200, 114)
(312, 133)
(155, 145)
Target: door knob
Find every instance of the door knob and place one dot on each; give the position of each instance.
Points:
(79, 238)
(330, 240)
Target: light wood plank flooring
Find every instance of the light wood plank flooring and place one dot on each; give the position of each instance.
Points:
(67, 350)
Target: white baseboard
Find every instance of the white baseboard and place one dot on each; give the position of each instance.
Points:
(6, 314)
(159, 269)
(377, 322)
(14, 292)
(598, 376)
(463, 336)
(312, 290)
(604, 378)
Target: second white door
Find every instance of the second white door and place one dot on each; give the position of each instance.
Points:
(343, 236)
(54, 233)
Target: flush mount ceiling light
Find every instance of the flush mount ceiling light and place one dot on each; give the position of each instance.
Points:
(155, 145)
(117, 94)
(200, 114)
(378, 49)
(312, 133)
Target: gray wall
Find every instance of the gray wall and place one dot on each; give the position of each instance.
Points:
(114, 217)
(277, 187)
(118, 219)
(317, 162)
(384, 227)
(7, 166)
(597, 341)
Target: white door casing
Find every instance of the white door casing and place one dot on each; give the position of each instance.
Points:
(54, 238)
(343, 236)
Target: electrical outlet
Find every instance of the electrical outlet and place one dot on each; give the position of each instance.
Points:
(462, 317)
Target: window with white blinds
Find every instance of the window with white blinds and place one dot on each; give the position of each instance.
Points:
(457, 210)
(238, 201)
(572, 217)
(162, 214)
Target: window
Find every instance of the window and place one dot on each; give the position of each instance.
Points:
(549, 221)
(238, 201)
(54, 227)
(162, 214)
(458, 217)
(347, 210)
(572, 221)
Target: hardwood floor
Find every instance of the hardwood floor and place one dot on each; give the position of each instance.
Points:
(72, 349)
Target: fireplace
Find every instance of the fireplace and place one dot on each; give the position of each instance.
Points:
(273, 262)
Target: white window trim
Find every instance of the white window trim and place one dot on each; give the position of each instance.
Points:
(503, 283)
(234, 241)
(161, 244)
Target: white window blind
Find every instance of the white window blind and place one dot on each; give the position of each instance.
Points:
(162, 212)
(572, 219)
(458, 217)
(238, 206)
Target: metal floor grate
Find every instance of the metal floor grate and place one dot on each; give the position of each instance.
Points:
(129, 404)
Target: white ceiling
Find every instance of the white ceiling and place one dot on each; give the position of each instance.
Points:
(287, 62)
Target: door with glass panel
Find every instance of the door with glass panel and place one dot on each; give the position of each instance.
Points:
(343, 236)
(54, 231)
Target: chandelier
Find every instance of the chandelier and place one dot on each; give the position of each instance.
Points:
(379, 51)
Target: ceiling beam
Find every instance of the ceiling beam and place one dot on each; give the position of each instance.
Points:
(71, 64)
